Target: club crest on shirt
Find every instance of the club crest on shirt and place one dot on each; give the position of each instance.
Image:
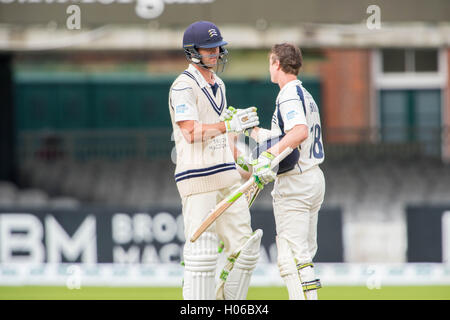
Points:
(291, 114)
(181, 108)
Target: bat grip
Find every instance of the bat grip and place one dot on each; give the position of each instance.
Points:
(280, 157)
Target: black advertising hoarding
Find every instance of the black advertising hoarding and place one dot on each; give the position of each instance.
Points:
(90, 235)
(124, 235)
(428, 233)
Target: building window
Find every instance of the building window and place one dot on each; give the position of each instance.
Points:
(412, 116)
(425, 60)
(409, 85)
(409, 60)
(394, 60)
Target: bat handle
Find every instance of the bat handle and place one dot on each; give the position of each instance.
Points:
(280, 157)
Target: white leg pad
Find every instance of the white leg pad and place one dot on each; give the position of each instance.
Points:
(288, 270)
(309, 281)
(200, 259)
(237, 274)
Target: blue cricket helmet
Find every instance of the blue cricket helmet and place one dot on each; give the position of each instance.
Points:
(203, 34)
(286, 164)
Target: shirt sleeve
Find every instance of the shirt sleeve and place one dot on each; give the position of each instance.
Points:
(183, 102)
(292, 111)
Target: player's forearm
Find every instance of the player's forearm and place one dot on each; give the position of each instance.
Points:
(209, 131)
(292, 139)
(260, 134)
(194, 131)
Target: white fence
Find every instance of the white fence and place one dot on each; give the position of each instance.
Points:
(74, 276)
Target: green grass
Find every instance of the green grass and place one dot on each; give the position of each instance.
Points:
(255, 293)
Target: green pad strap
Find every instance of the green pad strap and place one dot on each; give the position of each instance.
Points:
(301, 266)
(311, 285)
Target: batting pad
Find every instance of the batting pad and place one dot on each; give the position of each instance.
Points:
(200, 259)
(309, 282)
(288, 270)
(235, 278)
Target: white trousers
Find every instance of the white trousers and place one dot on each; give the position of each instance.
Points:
(233, 227)
(296, 203)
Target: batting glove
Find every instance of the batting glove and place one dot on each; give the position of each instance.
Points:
(243, 163)
(261, 169)
(242, 120)
(227, 114)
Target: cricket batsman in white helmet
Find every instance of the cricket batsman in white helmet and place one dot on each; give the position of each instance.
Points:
(299, 186)
(206, 172)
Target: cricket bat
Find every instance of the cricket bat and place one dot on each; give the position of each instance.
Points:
(231, 198)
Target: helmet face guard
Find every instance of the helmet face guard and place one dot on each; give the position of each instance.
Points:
(193, 56)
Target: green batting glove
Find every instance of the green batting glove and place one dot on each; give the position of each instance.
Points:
(243, 163)
(262, 168)
(227, 113)
(258, 182)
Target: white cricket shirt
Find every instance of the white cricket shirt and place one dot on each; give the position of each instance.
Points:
(295, 105)
(201, 166)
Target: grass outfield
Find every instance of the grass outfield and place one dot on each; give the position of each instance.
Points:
(255, 293)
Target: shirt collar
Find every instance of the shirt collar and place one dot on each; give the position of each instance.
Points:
(198, 76)
(288, 85)
(291, 83)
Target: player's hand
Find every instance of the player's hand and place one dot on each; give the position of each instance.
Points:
(242, 120)
(228, 113)
(261, 169)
